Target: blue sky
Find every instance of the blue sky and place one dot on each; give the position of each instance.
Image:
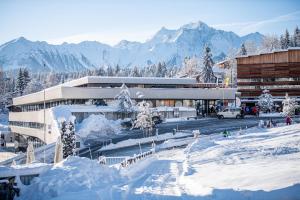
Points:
(110, 21)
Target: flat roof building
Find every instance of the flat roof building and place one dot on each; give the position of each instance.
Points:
(27, 112)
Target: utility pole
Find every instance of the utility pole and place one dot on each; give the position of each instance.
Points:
(44, 119)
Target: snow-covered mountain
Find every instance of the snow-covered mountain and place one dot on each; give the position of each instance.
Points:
(169, 46)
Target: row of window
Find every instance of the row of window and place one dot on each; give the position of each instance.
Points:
(246, 80)
(36, 107)
(35, 125)
(118, 85)
(268, 87)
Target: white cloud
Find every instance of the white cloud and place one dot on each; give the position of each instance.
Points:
(264, 26)
(104, 37)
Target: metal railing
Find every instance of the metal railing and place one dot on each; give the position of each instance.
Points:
(124, 161)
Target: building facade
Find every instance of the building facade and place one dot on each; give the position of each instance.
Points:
(278, 72)
(28, 117)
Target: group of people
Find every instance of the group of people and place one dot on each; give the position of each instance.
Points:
(251, 110)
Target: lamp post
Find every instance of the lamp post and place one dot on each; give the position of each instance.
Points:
(44, 119)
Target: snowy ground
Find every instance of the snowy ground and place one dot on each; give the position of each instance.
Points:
(256, 164)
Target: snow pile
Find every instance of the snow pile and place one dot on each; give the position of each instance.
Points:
(251, 164)
(258, 164)
(97, 126)
(74, 178)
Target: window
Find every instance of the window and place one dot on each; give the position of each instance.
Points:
(35, 125)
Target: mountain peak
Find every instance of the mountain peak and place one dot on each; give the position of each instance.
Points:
(168, 45)
(195, 25)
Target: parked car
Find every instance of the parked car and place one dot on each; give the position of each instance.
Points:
(230, 113)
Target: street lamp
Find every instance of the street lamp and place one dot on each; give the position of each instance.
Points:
(44, 119)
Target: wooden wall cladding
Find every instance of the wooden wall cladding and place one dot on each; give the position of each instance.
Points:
(288, 56)
(283, 64)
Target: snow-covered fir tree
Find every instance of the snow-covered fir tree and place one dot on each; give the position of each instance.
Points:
(296, 37)
(125, 104)
(144, 117)
(20, 86)
(282, 42)
(161, 70)
(285, 40)
(68, 138)
(207, 72)
(289, 106)
(243, 50)
(26, 77)
(135, 72)
(265, 101)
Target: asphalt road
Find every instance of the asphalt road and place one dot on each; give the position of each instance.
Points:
(205, 125)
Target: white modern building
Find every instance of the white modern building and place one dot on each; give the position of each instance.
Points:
(28, 118)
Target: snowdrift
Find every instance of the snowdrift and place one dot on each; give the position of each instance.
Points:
(73, 178)
(248, 165)
(97, 126)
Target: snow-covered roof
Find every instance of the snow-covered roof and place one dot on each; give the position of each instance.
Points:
(263, 53)
(130, 80)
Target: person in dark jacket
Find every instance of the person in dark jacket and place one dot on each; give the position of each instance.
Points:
(288, 120)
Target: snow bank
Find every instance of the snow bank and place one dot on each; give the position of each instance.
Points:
(133, 142)
(96, 126)
(256, 164)
(248, 165)
(261, 114)
(73, 178)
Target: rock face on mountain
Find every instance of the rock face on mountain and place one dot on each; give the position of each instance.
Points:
(169, 46)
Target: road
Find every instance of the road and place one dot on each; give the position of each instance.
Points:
(206, 126)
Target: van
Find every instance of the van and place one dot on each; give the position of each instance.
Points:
(230, 113)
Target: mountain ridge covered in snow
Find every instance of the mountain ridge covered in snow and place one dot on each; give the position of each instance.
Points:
(169, 46)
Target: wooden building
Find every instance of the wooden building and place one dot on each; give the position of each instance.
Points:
(278, 72)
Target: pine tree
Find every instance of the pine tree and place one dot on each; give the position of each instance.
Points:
(282, 42)
(68, 137)
(117, 70)
(20, 87)
(287, 39)
(243, 50)
(125, 104)
(161, 70)
(26, 77)
(289, 106)
(207, 72)
(110, 71)
(135, 72)
(144, 117)
(265, 101)
(297, 37)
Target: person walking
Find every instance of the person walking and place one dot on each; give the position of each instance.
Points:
(288, 120)
(254, 110)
